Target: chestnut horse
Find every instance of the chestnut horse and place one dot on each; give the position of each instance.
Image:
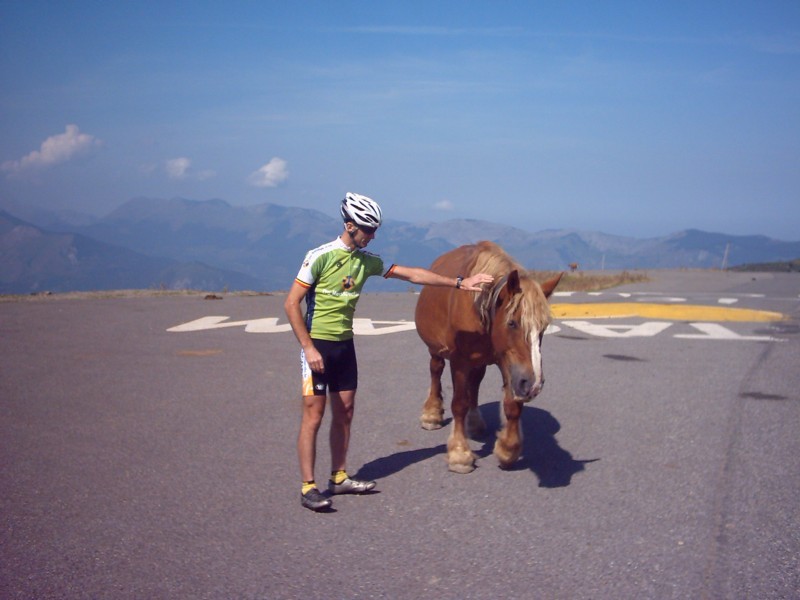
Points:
(501, 325)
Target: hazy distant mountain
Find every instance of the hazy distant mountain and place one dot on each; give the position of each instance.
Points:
(61, 220)
(556, 249)
(34, 260)
(267, 242)
(261, 247)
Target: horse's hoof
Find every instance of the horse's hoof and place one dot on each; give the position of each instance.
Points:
(460, 460)
(506, 457)
(431, 425)
(459, 468)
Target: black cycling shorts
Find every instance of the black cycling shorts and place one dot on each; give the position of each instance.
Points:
(341, 368)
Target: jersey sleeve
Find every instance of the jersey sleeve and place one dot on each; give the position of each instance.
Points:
(308, 274)
(376, 266)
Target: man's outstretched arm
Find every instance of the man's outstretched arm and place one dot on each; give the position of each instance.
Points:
(422, 276)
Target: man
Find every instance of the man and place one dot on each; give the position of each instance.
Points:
(330, 280)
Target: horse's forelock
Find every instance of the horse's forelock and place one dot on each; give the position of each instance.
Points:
(492, 260)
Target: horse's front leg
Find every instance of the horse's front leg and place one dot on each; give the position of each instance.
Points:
(433, 409)
(460, 458)
(476, 426)
(508, 446)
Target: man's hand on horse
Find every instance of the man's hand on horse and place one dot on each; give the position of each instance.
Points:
(474, 283)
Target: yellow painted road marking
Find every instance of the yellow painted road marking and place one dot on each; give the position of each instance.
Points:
(670, 312)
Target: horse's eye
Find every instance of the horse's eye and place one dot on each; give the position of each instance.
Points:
(512, 324)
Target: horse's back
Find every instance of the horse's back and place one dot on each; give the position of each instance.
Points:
(442, 312)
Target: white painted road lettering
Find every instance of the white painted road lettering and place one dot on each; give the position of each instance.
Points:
(647, 329)
(703, 331)
(715, 331)
(672, 313)
(270, 325)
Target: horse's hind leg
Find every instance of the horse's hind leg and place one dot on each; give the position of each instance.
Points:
(433, 409)
(508, 446)
(476, 426)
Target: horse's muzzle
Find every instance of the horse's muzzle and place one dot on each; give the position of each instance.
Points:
(524, 385)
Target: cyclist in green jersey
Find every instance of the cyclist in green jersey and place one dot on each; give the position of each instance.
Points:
(330, 280)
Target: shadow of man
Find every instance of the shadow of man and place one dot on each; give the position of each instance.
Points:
(388, 465)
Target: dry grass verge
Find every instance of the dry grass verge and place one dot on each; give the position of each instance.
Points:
(591, 281)
(102, 294)
(581, 281)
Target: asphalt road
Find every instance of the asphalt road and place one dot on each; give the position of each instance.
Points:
(148, 451)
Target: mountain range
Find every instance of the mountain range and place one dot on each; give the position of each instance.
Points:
(212, 245)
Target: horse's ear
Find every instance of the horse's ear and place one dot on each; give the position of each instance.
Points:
(507, 289)
(550, 285)
(512, 285)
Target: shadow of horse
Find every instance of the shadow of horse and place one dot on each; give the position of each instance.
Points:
(541, 453)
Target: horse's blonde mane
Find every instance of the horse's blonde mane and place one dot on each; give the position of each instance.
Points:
(535, 310)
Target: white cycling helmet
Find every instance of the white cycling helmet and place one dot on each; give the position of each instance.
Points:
(361, 210)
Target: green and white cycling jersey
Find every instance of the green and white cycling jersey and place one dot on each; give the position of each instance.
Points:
(334, 276)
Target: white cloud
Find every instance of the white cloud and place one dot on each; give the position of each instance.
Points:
(271, 174)
(181, 168)
(54, 150)
(444, 205)
(177, 168)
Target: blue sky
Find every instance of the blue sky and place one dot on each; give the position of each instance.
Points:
(631, 118)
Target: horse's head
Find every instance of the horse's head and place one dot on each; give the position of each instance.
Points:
(519, 315)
